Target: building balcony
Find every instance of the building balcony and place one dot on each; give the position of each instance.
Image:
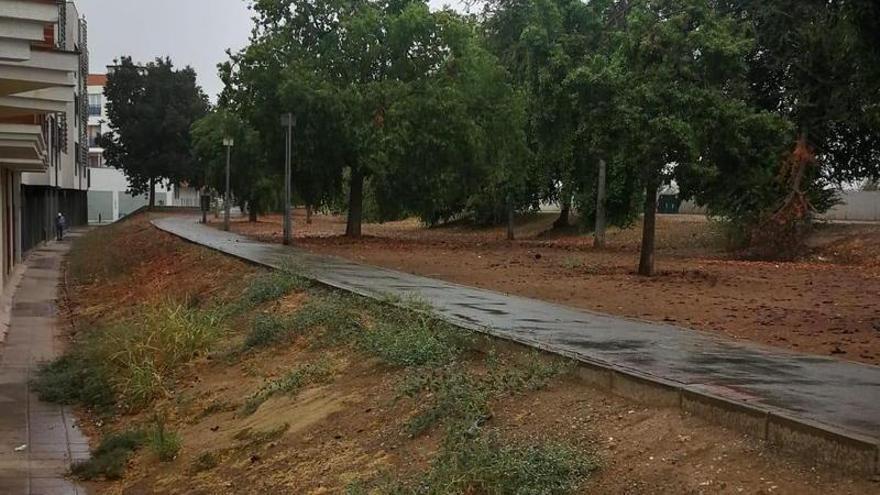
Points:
(23, 23)
(22, 148)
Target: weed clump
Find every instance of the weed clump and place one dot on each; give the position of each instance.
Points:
(266, 329)
(128, 362)
(403, 338)
(111, 457)
(289, 384)
(270, 287)
(164, 443)
(75, 379)
(490, 465)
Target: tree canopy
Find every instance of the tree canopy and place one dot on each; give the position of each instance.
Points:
(151, 109)
(752, 108)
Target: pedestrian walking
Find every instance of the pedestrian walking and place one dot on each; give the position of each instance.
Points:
(60, 225)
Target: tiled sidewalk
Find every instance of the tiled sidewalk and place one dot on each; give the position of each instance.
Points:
(48, 432)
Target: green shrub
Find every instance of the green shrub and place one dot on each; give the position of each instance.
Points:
(449, 394)
(111, 457)
(289, 384)
(129, 361)
(403, 338)
(75, 379)
(488, 465)
(266, 329)
(271, 286)
(164, 443)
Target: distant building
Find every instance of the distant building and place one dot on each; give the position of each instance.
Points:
(43, 64)
(109, 196)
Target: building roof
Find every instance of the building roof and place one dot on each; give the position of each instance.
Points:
(97, 79)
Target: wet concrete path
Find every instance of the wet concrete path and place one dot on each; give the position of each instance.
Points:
(38, 441)
(844, 396)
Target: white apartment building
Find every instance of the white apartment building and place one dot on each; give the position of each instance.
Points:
(43, 62)
(109, 196)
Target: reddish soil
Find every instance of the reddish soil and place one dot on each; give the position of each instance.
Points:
(352, 426)
(826, 305)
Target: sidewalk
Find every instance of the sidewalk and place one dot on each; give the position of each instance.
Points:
(44, 434)
(826, 408)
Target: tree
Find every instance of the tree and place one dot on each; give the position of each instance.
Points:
(251, 183)
(684, 65)
(151, 109)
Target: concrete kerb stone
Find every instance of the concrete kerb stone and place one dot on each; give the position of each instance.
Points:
(810, 441)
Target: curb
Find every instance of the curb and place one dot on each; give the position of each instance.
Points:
(809, 440)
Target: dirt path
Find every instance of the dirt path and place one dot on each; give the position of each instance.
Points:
(825, 306)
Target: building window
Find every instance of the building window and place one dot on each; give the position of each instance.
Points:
(94, 134)
(94, 105)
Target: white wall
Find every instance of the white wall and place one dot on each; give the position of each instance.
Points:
(863, 206)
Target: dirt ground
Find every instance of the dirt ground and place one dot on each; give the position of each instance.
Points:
(336, 432)
(827, 304)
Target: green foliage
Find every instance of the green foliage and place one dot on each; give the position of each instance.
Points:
(252, 182)
(127, 363)
(489, 465)
(150, 110)
(451, 394)
(290, 384)
(403, 338)
(111, 457)
(270, 286)
(165, 444)
(75, 378)
(266, 329)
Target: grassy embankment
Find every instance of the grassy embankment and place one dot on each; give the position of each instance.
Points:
(196, 367)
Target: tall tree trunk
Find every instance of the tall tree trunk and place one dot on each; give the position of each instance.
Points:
(564, 215)
(565, 208)
(308, 214)
(646, 263)
(152, 200)
(355, 203)
(252, 212)
(599, 235)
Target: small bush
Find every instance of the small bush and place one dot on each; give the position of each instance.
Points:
(488, 465)
(289, 384)
(75, 379)
(266, 329)
(450, 393)
(111, 457)
(164, 443)
(403, 338)
(270, 287)
(453, 395)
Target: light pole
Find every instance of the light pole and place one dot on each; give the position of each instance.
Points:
(228, 142)
(288, 120)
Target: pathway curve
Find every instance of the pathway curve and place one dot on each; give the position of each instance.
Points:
(841, 396)
(38, 441)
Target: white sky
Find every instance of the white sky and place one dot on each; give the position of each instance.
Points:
(191, 32)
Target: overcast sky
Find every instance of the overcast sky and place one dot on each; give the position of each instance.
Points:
(191, 32)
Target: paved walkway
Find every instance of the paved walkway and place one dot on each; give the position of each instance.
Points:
(842, 395)
(38, 441)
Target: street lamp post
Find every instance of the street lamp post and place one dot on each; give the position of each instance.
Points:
(229, 143)
(288, 120)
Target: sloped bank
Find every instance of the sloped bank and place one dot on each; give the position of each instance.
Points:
(203, 374)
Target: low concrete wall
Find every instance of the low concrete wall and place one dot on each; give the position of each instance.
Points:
(862, 206)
